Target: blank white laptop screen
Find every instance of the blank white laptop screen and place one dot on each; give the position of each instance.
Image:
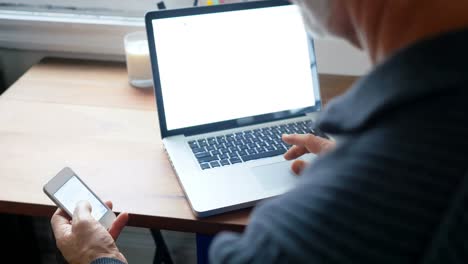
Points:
(229, 65)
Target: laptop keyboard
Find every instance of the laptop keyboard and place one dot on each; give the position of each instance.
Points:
(225, 150)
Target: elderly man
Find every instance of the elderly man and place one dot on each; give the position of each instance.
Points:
(394, 189)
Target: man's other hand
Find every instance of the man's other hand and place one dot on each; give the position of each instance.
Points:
(83, 239)
(304, 143)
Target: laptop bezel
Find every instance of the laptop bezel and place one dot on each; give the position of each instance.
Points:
(227, 124)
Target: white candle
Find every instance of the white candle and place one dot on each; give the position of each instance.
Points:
(138, 60)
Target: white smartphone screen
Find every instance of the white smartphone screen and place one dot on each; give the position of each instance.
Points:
(74, 191)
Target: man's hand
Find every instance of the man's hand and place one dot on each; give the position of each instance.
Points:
(305, 143)
(83, 239)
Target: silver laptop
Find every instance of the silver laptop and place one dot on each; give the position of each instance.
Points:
(229, 80)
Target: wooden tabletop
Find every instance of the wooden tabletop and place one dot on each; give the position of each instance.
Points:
(84, 115)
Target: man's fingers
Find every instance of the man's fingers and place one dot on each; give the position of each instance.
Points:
(312, 143)
(109, 204)
(319, 145)
(82, 212)
(59, 218)
(295, 152)
(298, 166)
(296, 139)
(60, 223)
(118, 225)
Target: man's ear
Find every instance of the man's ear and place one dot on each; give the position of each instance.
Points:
(340, 23)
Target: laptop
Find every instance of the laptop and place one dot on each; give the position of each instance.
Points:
(229, 80)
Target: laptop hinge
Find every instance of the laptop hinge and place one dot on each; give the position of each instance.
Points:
(240, 125)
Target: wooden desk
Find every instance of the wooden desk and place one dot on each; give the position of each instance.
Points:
(84, 115)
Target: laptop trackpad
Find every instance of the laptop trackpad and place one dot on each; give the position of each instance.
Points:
(275, 176)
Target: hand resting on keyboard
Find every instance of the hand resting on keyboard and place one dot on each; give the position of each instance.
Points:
(302, 144)
(253, 144)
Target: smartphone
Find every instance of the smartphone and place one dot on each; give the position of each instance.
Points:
(66, 189)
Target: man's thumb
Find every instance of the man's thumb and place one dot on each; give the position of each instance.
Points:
(82, 210)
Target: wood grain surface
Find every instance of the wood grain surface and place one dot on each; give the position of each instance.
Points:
(84, 115)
